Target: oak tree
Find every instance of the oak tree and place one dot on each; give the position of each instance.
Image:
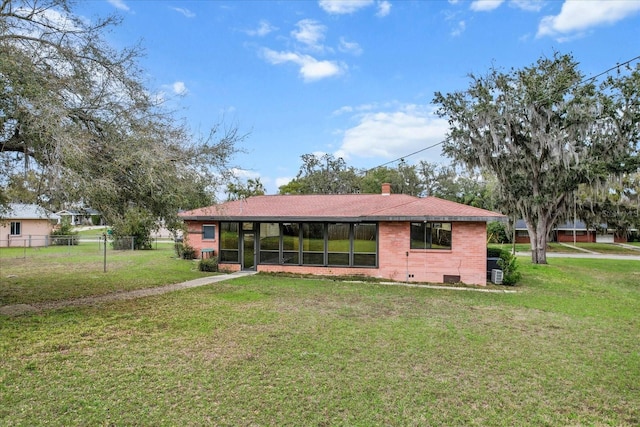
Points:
(540, 130)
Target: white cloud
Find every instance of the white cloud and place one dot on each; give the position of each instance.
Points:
(485, 5)
(264, 28)
(310, 33)
(311, 69)
(349, 47)
(342, 7)
(119, 4)
(384, 8)
(392, 134)
(528, 5)
(245, 173)
(186, 12)
(179, 88)
(579, 16)
(459, 29)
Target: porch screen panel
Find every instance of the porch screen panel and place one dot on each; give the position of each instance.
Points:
(291, 243)
(269, 243)
(365, 245)
(313, 243)
(338, 244)
(229, 242)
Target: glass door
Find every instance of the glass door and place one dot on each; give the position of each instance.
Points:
(248, 250)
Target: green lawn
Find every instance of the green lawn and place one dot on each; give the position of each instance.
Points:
(269, 350)
(63, 272)
(603, 248)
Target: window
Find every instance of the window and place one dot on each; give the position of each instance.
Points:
(304, 243)
(365, 245)
(16, 228)
(291, 243)
(269, 243)
(430, 235)
(313, 243)
(338, 244)
(208, 232)
(229, 242)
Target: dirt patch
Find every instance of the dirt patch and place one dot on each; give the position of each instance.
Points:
(17, 310)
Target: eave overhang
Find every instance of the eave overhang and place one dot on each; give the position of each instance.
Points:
(437, 218)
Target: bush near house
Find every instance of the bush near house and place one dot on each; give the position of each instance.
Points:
(184, 250)
(208, 264)
(507, 263)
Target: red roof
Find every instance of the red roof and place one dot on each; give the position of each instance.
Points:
(341, 207)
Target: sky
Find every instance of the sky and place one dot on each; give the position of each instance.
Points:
(351, 78)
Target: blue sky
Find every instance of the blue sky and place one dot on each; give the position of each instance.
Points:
(351, 78)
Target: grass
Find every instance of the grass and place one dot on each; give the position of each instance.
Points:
(603, 248)
(270, 350)
(62, 272)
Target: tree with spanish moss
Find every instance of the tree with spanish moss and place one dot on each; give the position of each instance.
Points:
(542, 130)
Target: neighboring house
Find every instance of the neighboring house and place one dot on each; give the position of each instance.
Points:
(564, 233)
(391, 236)
(26, 225)
(80, 216)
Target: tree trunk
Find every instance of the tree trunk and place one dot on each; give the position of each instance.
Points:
(538, 237)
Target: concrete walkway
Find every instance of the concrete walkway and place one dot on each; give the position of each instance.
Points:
(18, 309)
(566, 245)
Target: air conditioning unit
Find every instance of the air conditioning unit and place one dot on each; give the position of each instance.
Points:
(496, 276)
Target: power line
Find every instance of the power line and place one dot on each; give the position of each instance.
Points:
(408, 155)
(583, 81)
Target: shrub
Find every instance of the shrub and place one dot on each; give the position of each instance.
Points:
(64, 235)
(187, 251)
(208, 264)
(493, 252)
(135, 223)
(509, 265)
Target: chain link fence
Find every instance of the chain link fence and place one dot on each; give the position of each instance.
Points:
(59, 246)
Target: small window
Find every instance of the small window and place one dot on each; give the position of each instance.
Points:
(16, 228)
(208, 232)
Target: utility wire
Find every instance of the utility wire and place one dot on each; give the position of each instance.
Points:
(583, 81)
(408, 155)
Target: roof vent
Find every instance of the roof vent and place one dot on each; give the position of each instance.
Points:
(386, 189)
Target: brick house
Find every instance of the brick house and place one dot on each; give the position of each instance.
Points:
(391, 236)
(571, 231)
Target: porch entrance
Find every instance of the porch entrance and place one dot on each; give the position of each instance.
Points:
(248, 247)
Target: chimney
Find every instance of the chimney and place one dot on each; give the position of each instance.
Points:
(386, 189)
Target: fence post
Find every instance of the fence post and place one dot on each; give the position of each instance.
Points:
(105, 251)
